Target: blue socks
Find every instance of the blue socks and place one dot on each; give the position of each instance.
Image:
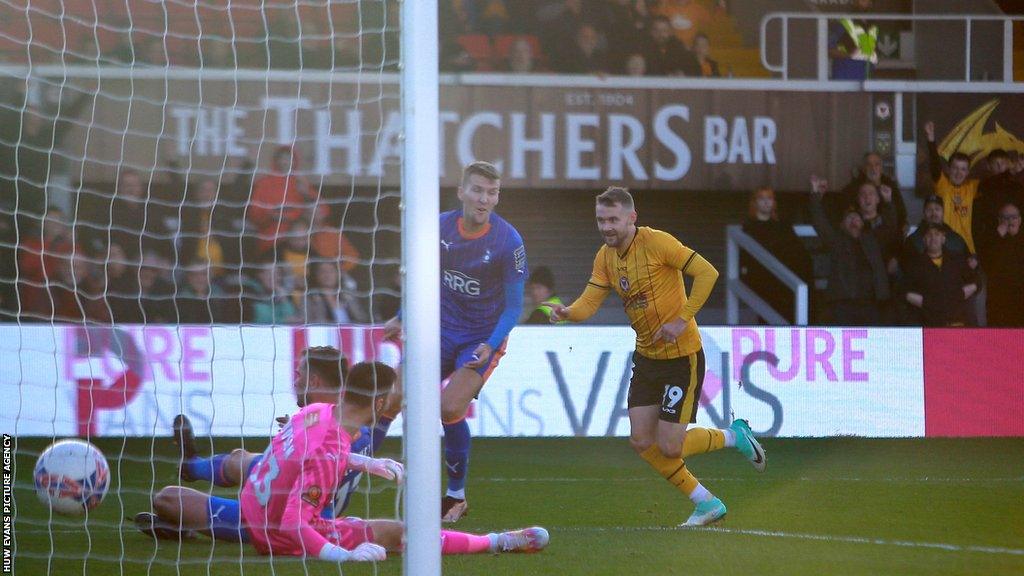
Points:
(210, 469)
(457, 441)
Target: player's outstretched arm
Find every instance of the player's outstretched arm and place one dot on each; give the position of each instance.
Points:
(584, 306)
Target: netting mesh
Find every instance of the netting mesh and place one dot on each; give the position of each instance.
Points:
(191, 193)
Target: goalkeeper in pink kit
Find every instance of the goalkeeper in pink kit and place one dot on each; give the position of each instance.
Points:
(282, 500)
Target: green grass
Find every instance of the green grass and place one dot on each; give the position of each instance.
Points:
(835, 506)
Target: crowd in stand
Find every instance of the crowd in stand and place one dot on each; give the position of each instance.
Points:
(961, 265)
(628, 37)
(623, 37)
(219, 255)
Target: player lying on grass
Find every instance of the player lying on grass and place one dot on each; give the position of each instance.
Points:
(229, 469)
(646, 267)
(282, 500)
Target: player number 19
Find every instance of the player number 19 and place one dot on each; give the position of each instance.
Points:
(673, 394)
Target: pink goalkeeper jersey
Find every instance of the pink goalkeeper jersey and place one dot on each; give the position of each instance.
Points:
(282, 499)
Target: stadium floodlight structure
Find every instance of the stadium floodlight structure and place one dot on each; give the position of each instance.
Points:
(421, 286)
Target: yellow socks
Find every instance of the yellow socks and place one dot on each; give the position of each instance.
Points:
(671, 469)
(702, 441)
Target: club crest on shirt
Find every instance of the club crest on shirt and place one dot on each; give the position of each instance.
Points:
(312, 495)
(624, 283)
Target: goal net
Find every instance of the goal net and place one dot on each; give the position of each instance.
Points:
(191, 194)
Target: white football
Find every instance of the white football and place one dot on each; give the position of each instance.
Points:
(71, 476)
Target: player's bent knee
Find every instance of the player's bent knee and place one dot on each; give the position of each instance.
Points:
(167, 503)
(387, 533)
(452, 412)
(640, 443)
(670, 449)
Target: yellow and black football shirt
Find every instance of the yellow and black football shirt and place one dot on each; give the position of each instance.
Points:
(648, 276)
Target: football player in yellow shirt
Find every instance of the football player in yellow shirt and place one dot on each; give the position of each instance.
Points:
(645, 267)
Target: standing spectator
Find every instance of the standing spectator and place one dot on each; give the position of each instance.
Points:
(876, 210)
(541, 290)
(871, 170)
(857, 281)
(686, 18)
(958, 192)
(636, 65)
(278, 198)
(1002, 251)
(584, 56)
(665, 54)
(914, 244)
(778, 238)
(625, 26)
(939, 283)
(331, 298)
(521, 59)
(852, 45)
(702, 51)
(996, 190)
(30, 135)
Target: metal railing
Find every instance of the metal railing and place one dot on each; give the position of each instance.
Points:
(736, 290)
(822, 19)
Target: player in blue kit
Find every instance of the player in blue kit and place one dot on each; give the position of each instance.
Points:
(483, 274)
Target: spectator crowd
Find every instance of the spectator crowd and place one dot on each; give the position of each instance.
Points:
(629, 37)
(218, 254)
(961, 265)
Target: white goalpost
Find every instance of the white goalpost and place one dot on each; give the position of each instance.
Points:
(421, 286)
(143, 273)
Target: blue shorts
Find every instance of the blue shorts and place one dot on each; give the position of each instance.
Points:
(224, 517)
(457, 350)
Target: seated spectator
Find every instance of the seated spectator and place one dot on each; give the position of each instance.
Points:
(702, 51)
(996, 190)
(329, 243)
(871, 170)
(122, 281)
(332, 297)
(540, 288)
(1002, 251)
(584, 55)
(857, 282)
(914, 243)
(665, 54)
(81, 296)
(685, 16)
(269, 294)
(938, 283)
(521, 59)
(485, 16)
(278, 198)
(155, 291)
(636, 65)
(293, 248)
(201, 299)
(43, 256)
(958, 192)
(198, 241)
(764, 226)
(387, 297)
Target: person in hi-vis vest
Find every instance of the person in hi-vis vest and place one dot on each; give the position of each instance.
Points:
(852, 46)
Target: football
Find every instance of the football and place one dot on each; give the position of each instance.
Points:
(71, 476)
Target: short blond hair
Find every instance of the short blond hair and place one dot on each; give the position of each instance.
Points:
(480, 168)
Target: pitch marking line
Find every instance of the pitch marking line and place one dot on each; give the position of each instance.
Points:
(799, 536)
(923, 479)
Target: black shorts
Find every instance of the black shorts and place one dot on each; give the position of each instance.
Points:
(674, 384)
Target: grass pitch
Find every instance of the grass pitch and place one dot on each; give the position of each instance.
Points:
(833, 506)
